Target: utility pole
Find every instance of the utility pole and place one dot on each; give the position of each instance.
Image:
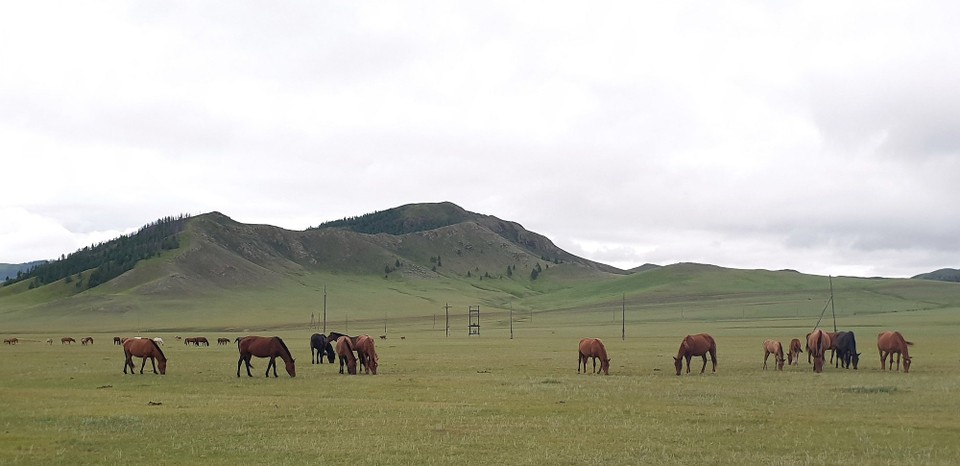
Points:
(623, 316)
(324, 309)
(446, 310)
(511, 321)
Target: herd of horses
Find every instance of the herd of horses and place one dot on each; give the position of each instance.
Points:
(843, 345)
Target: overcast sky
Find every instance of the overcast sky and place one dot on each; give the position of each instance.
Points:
(816, 136)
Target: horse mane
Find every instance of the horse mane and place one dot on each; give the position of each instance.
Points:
(284, 345)
(155, 345)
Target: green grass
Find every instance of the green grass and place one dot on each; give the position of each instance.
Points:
(490, 399)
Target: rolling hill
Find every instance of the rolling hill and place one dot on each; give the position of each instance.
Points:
(403, 265)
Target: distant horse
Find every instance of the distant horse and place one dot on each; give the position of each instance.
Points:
(158, 341)
(344, 349)
(696, 345)
(117, 341)
(85, 340)
(177, 337)
(11, 341)
(319, 345)
(223, 341)
(846, 345)
(67, 341)
(793, 357)
(190, 341)
(818, 342)
(265, 347)
(776, 349)
(202, 341)
(383, 337)
(890, 343)
(367, 353)
(143, 348)
(49, 341)
(592, 348)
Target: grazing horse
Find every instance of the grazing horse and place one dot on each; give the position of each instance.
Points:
(67, 341)
(592, 348)
(117, 341)
(320, 345)
(696, 345)
(846, 345)
(368, 354)
(890, 343)
(830, 346)
(202, 341)
(334, 336)
(265, 347)
(143, 348)
(818, 342)
(223, 341)
(190, 341)
(11, 341)
(383, 337)
(345, 351)
(776, 349)
(85, 340)
(793, 357)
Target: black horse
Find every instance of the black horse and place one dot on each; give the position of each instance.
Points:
(332, 339)
(846, 347)
(320, 344)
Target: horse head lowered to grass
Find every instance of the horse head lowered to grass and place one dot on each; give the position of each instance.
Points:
(265, 347)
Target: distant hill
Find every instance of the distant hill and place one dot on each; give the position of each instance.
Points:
(944, 275)
(8, 271)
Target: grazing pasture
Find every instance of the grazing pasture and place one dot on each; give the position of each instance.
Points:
(489, 399)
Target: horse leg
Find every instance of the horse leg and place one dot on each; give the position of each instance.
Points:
(246, 359)
(688, 362)
(766, 354)
(153, 363)
(127, 362)
(273, 362)
(239, 363)
(143, 363)
(702, 369)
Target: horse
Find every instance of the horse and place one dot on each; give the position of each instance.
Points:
(846, 345)
(49, 341)
(116, 341)
(265, 347)
(319, 344)
(833, 350)
(890, 343)
(334, 336)
(818, 342)
(85, 340)
(11, 341)
(202, 341)
(383, 337)
(190, 340)
(143, 348)
(773, 347)
(67, 341)
(793, 357)
(367, 353)
(158, 340)
(696, 345)
(223, 341)
(592, 348)
(345, 351)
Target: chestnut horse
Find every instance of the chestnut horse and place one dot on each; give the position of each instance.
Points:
(593, 348)
(696, 345)
(67, 341)
(143, 348)
(368, 354)
(344, 349)
(223, 341)
(85, 340)
(265, 347)
(773, 347)
(793, 357)
(334, 336)
(117, 341)
(890, 343)
(818, 342)
(11, 341)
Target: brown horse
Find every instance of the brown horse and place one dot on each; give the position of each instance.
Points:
(223, 341)
(818, 342)
(117, 341)
(890, 343)
(143, 348)
(344, 349)
(593, 348)
(368, 353)
(696, 345)
(776, 349)
(67, 341)
(833, 350)
(11, 341)
(793, 357)
(265, 347)
(86, 340)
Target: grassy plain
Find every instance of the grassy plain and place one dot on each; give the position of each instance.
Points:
(491, 399)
